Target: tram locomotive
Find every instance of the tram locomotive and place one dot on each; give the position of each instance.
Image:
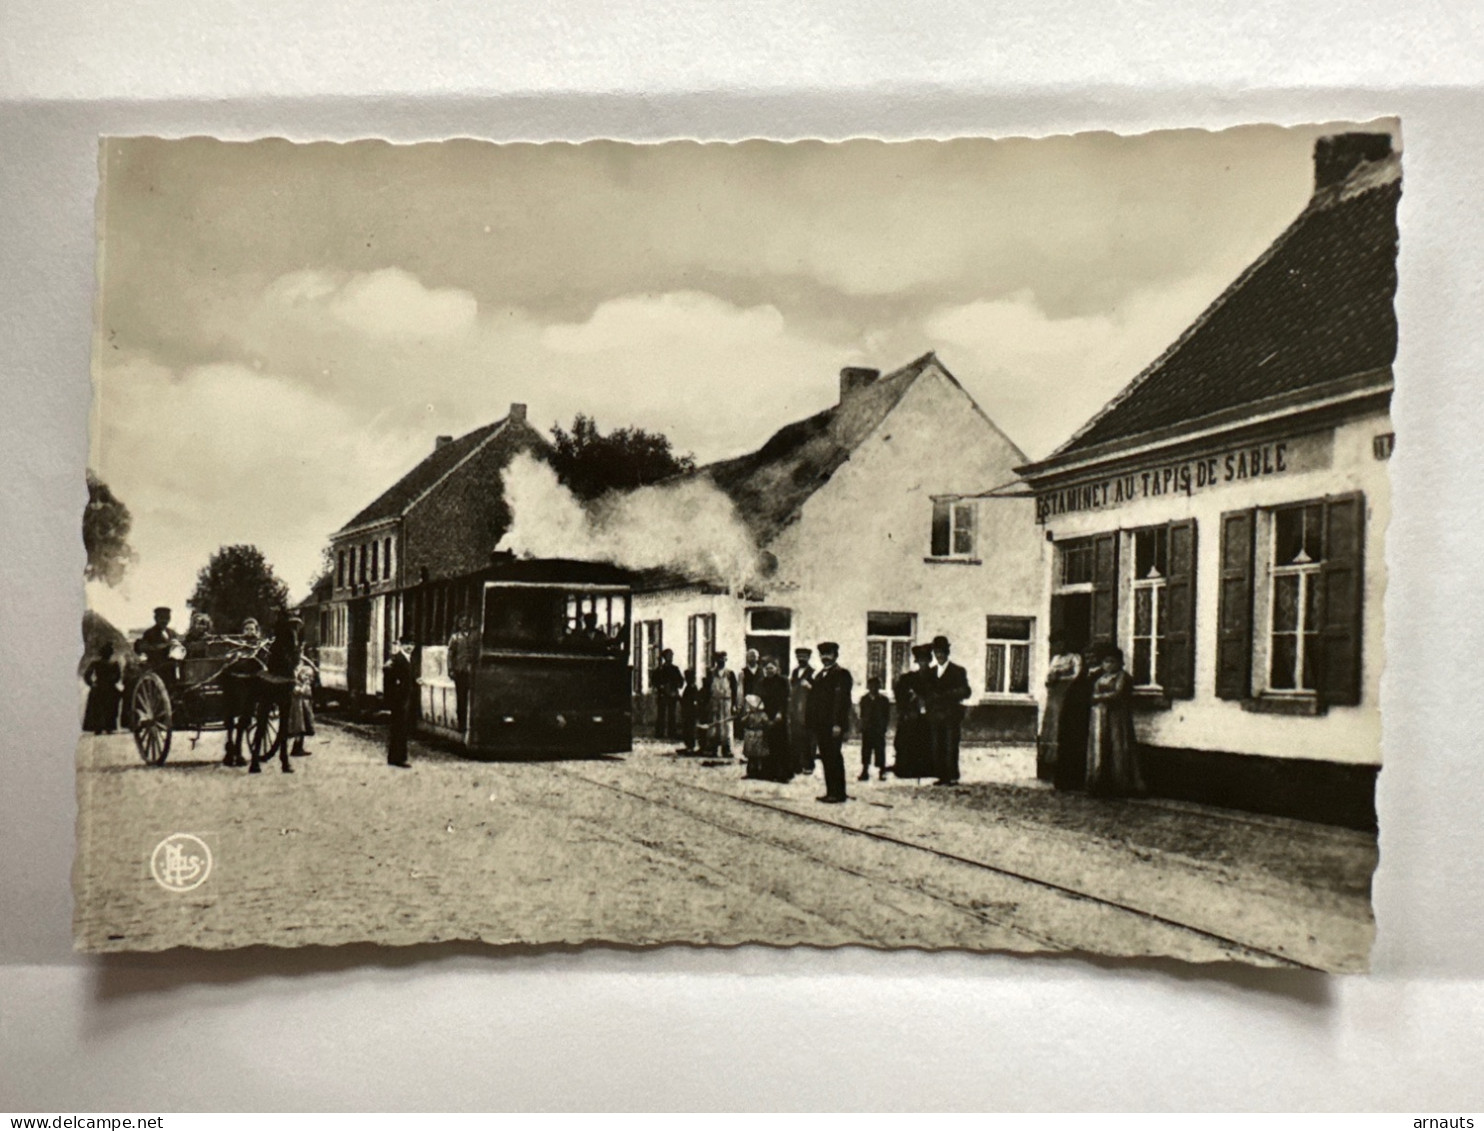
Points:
(551, 674)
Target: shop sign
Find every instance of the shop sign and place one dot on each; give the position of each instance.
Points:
(1225, 468)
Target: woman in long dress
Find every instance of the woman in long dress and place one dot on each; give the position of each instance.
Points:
(1112, 749)
(1061, 673)
(772, 690)
(912, 743)
(104, 677)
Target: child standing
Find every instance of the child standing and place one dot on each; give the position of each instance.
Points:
(754, 720)
(875, 714)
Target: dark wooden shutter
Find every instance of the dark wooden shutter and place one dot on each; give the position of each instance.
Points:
(1234, 613)
(1105, 590)
(1342, 599)
(1177, 648)
(942, 529)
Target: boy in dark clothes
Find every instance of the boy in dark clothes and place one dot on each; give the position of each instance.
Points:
(875, 714)
(688, 697)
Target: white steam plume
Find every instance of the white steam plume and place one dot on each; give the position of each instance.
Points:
(688, 526)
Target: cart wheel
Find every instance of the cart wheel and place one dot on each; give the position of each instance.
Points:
(262, 731)
(150, 705)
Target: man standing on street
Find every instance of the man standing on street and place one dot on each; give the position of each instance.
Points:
(829, 720)
(800, 680)
(400, 684)
(947, 687)
(462, 646)
(667, 682)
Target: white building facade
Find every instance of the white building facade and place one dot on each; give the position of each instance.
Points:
(1223, 521)
(865, 519)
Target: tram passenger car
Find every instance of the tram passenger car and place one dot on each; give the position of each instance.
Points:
(552, 675)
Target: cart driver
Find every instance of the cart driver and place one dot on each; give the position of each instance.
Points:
(156, 644)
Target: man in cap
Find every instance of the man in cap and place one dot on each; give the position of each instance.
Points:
(399, 686)
(154, 645)
(829, 720)
(668, 684)
(946, 688)
(800, 739)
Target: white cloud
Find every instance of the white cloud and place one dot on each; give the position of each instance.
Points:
(1040, 377)
(221, 454)
(389, 304)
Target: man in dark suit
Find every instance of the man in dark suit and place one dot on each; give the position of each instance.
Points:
(154, 645)
(946, 688)
(829, 720)
(399, 684)
(668, 683)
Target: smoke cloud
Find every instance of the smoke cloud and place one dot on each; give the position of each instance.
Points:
(688, 526)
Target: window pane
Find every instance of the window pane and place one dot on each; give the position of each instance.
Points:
(1076, 563)
(769, 620)
(1311, 661)
(1314, 531)
(889, 624)
(994, 669)
(1285, 603)
(876, 659)
(1159, 611)
(1020, 668)
(1008, 628)
(941, 531)
(1143, 552)
(1288, 534)
(1143, 612)
(901, 655)
(1285, 657)
(1143, 651)
(1312, 590)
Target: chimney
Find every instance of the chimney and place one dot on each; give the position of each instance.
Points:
(440, 441)
(518, 412)
(853, 378)
(1339, 155)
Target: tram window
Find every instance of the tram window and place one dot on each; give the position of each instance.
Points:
(542, 619)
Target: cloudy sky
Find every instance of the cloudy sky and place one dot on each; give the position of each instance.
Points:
(284, 329)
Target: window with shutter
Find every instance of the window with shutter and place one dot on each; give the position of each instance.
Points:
(1234, 613)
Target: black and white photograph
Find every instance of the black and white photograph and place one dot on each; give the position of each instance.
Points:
(971, 544)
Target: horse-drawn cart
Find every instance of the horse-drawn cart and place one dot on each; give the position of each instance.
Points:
(206, 684)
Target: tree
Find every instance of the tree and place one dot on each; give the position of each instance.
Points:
(105, 534)
(590, 463)
(236, 583)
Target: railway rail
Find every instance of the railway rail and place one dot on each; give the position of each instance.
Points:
(1226, 945)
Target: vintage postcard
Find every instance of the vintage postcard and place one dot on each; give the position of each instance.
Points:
(952, 544)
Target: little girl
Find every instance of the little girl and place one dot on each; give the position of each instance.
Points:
(754, 722)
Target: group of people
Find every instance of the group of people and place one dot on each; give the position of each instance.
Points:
(254, 673)
(786, 725)
(1087, 739)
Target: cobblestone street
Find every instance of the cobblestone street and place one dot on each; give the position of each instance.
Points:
(666, 849)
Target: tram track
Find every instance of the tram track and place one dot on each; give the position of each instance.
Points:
(1228, 945)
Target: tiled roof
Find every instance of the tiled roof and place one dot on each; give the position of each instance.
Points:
(771, 485)
(1315, 308)
(395, 500)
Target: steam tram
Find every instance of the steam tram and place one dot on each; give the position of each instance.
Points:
(552, 672)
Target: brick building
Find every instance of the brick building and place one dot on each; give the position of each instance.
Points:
(396, 561)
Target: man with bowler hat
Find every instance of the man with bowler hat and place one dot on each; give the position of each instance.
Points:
(668, 684)
(399, 682)
(946, 687)
(829, 720)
